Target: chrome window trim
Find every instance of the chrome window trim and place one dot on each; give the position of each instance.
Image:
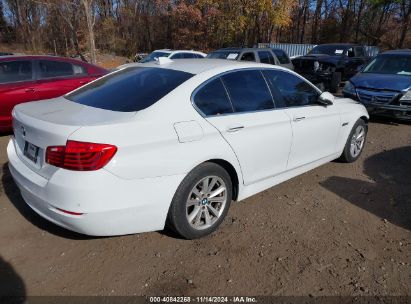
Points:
(195, 91)
(227, 93)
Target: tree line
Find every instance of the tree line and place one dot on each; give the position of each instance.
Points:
(124, 27)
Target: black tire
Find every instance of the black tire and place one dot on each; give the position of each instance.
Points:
(177, 218)
(335, 82)
(347, 156)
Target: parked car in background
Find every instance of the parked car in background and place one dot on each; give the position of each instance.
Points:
(327, 65)
(30, 78)
(283, 58)
(262, 55)
(384, 85)
(5, 54)
(139, 56)
(173, 54)
(173, 144)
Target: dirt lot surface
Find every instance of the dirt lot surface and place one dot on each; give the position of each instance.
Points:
(337, 230)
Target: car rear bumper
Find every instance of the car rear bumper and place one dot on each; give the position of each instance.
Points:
(104, 203)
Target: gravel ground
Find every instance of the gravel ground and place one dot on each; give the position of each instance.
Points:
(337, 230)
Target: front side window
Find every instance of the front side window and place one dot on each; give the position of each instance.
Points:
(212, 99)
(290, 90)
(248, 56)
(266, 57)
(14, 71)
(50, 69)
(248, 91)
(129, 90)
(350, 52)
(359, 51)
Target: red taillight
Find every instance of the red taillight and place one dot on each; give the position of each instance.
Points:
(80, 156)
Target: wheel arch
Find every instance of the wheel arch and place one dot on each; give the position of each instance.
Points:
(231, 171)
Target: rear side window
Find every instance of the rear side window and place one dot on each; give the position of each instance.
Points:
(189, 55)
(129, 90)
(50, 69)
(14, 71)
(266, 57)
(79, 70)
(177, 56)
(248, 91)
(290, 90)
(212, 99)
(282, 56)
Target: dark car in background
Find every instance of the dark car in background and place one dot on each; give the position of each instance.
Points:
(327, 65)
(262, 55)
(384, 85)
(30, 78)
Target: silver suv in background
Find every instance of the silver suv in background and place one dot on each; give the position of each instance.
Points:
(173, 54)
(261, 55)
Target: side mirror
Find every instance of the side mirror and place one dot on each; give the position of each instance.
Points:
(326, 99)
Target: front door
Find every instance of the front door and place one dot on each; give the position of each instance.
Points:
(315, 127)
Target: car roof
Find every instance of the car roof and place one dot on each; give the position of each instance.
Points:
(339, 44)
(49, 57)
(398, 52)
(176, 51)
(198, 66)
(241, 49)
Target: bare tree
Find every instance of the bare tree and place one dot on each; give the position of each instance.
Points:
(90, 14)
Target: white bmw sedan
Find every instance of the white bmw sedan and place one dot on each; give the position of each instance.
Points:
(173, 143)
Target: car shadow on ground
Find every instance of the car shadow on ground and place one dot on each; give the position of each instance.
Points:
(12, 287)
(384, 120)
(13, 194)
(387, 194)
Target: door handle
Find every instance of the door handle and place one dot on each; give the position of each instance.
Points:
(235, 128)
(299, 118)
(82, 82)
(29, 90)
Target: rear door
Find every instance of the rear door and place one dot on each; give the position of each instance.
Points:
(315, 127)
(16, 86)
(240, 105)
(56, 78)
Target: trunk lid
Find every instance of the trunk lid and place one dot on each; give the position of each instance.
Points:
(38, 125)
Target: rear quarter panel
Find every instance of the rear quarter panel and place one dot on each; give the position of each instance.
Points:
(148, 145)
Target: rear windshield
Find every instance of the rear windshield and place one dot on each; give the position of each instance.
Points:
(129, 90)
